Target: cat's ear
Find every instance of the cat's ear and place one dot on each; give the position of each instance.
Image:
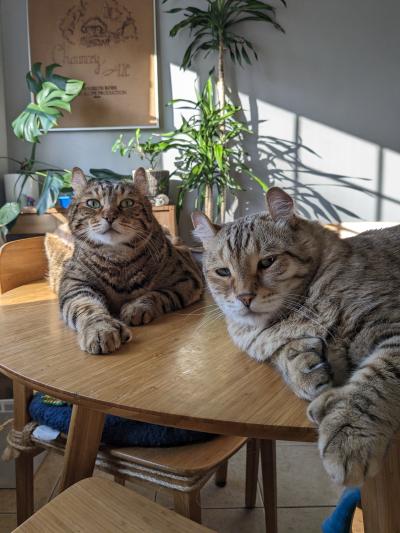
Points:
(280, 205)
(204, 229)
(78, 180)
(140, 180)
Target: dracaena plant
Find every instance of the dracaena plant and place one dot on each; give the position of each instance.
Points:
(215, 28)
(52, 96)
(208, 156)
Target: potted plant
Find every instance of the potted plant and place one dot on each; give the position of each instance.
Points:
(52, 95)
(208, 155)
(214, 29)
(147, 150)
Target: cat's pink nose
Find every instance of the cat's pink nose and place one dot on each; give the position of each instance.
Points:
(246, 298)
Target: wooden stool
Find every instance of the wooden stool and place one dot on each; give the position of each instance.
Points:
(100, 506)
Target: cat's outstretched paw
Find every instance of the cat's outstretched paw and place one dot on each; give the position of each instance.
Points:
(306, 368)
(351, 445)
(140, 311)
(104, 336)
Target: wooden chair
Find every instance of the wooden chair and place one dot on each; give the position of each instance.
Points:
(183, 469)
(100, 506)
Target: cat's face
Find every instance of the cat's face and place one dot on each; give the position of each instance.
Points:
(107, 212)
(258, 266)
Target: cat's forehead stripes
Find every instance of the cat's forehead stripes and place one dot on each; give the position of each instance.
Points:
(109, 190)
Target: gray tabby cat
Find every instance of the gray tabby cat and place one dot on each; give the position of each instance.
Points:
(122, 270)
(326, 313)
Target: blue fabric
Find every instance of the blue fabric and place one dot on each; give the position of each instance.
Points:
(340, 519)
(117, 431)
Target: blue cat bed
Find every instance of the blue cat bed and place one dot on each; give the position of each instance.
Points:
(341, 518)
(117, 431)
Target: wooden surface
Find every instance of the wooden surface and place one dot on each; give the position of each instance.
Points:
(22, 262)
(84, 436)
(379, 517)
(181, 370)
(165, 214)
(185, 460)
(23, 463)
(98, 505)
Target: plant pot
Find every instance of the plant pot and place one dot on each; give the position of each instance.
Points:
(158, 181)
(12, 189)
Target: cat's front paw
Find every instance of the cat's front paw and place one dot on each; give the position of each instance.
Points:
(141, 311)
(104, 336)
(306, 369)
(352, 439)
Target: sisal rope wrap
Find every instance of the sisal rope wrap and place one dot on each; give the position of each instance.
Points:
(18, 441)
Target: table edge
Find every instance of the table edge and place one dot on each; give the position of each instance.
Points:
(224, 427)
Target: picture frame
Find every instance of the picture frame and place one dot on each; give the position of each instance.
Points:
(109, 44)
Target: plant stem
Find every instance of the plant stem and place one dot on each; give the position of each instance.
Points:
(209, 203)
(33, 156)
(221, 102)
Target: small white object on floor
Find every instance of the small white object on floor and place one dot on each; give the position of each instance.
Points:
(45, 433)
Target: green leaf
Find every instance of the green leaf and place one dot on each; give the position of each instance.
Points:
(9, 212)
(51, 100)
(52, 186)
(107, 174)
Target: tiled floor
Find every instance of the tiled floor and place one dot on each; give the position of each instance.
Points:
(305, 494)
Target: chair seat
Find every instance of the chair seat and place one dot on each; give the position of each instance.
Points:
(101, 506)
(183, 460)
(181, 468)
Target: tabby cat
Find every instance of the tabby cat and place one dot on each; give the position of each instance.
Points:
(120, 268)
(326, 313)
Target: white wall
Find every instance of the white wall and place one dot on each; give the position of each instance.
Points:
(333, 79)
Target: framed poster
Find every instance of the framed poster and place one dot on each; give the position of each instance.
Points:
(111, 45)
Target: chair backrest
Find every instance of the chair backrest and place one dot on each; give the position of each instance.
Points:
(21, 262)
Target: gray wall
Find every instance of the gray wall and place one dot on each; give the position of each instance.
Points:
(3, 129)
(333, 79)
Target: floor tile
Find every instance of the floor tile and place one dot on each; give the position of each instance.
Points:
(7, 501)
(47, 477)
(302, 480)
(233, 494)
(229, 497)
(235, 520)
(145, 489)
(8, 522)
(302, 520)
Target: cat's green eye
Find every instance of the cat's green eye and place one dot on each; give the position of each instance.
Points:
(126, 202)
(266, 262)
(93, 203)
(224, 272)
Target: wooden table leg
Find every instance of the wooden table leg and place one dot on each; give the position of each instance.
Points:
(24, 463)
(83, 443)
(379, 495)
(252, 464)
(268, 466)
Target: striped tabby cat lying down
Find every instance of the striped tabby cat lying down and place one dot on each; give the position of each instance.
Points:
(119, 269)
(326, 313)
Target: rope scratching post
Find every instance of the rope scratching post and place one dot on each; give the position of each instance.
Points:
(18, 441)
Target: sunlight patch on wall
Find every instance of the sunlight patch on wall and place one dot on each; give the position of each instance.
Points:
(184, 84)
(391, 185)
(343, 154)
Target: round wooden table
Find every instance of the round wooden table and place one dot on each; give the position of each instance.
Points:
(182, 370)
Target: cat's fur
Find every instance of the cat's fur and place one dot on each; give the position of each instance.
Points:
(121, 268)
(326, 313)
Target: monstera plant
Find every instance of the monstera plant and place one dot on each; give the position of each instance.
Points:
(52, 96)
